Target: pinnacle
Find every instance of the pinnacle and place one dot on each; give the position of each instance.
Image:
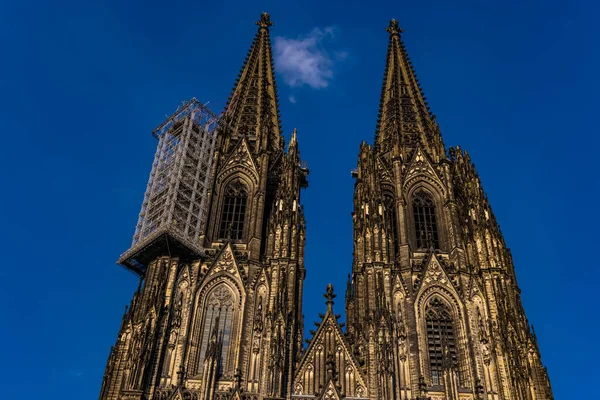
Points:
(293, 139)
(329, 295)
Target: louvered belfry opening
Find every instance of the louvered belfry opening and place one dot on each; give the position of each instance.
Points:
(441, 343)
(234, 211)
(425, 221)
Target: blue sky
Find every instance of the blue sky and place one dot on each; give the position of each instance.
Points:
(82, 85)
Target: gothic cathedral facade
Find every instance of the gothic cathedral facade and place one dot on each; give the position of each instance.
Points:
(433, 309)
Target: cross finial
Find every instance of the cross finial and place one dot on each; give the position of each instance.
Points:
(265, 20)
(394, 28)
(329, 295)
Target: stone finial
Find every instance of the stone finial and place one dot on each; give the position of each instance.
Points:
(265, 20)
(394, 28)
(329, 295)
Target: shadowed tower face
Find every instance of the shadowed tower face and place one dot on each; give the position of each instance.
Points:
(219, 250)
(433, 309)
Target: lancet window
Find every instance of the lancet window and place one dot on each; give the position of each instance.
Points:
(425, 221)
(219, 314)
(441, 343)
(233, 213)
(390, 216)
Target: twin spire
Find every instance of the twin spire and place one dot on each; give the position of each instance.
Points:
(404, 117)
(253, 109)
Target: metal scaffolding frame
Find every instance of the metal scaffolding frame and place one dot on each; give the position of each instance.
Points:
(176, 198)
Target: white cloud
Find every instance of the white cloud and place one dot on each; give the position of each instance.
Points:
(292, 99)
(305, 61)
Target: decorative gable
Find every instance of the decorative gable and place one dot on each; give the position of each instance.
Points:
(241, 157)
(474, 289)
(434, 275)
(176, 395)
(330, 392)
(421, 168)
(329, 357)
(261, 278)
(184, 274)
(384, 174)
(225, 263)
(399, 284)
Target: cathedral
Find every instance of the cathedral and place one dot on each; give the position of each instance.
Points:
(433, 310)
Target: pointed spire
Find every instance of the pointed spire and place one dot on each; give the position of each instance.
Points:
(349, 291)
(403, 113)
(252, 109)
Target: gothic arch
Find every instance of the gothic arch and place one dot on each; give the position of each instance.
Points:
(239, 162)
(399, 307)
(391, 215)
(178, 326)
(421, 171)
(223, 185)
(456, 307)
(438, 291)
(424, 180)
(440, 214)
(220, 297)
(249, 177)
(480, 331)
(257, 328)
(261, 298)
(222, 277)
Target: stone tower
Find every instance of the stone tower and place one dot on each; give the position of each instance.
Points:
(218, 312)
(433, 307)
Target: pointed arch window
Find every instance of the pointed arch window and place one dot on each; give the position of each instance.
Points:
(390, 216)
(425, 221)
(219, 314)
(233, 213)
(441, 344)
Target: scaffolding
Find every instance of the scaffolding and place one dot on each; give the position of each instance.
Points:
(176, 199)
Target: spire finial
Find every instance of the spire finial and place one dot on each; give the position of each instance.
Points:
(394, 28)
(265, 20)
(329, 295)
